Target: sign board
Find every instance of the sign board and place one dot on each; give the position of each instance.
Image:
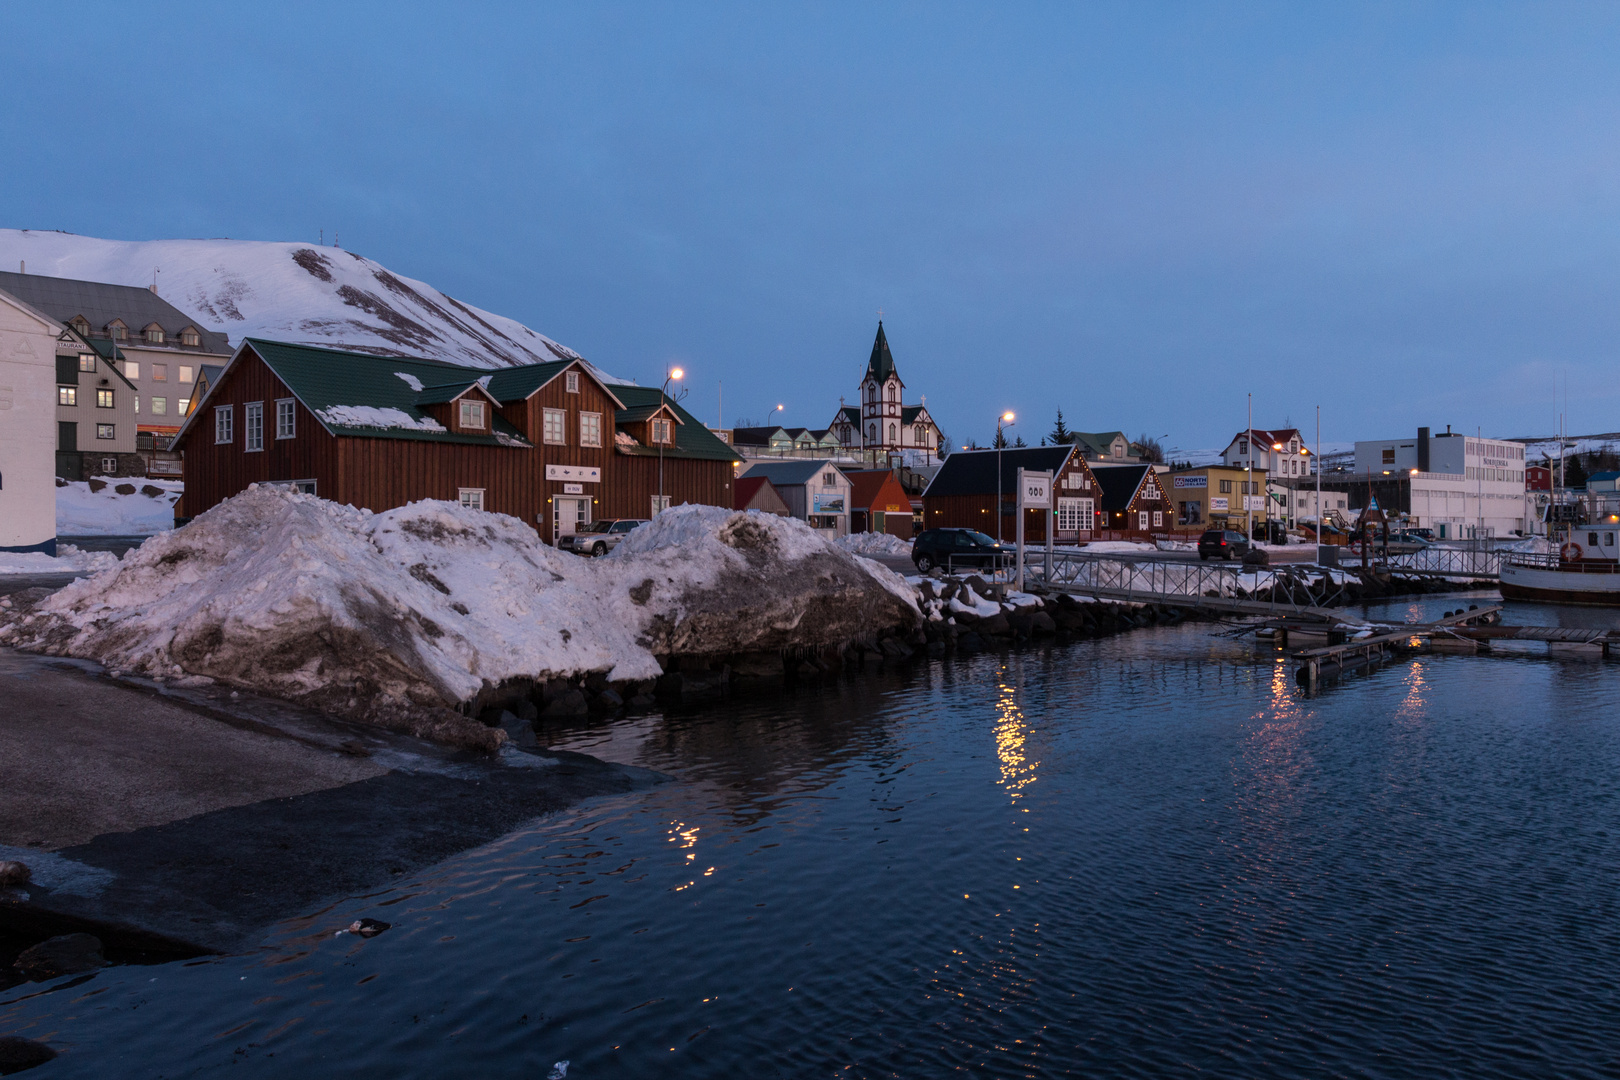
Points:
(1218, 503)
(578, 473)
(1254, 502)
(1190, 481)
(573, 489)
(1035, 490)
(829, 502)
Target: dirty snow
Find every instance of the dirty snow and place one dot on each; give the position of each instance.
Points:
(81, 511)
(871, 543)
(374, 417)
(394, 618)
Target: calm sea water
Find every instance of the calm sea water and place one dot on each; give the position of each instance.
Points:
(1144, 856)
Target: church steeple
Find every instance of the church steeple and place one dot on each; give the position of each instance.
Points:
(881, 366)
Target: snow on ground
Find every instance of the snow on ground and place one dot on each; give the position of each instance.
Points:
(68, 558)
(394, 618)
(1106, 547)
(291, 292)
(109, 506)
(870, 543)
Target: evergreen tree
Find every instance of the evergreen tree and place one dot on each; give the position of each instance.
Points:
(1019, 442)
(1574, 472)
(1000, 441)
(1060, 432)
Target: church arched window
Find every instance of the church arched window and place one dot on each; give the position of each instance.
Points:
(892, 433)
(871, 434)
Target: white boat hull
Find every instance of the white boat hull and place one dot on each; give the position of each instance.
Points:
(1548, 586)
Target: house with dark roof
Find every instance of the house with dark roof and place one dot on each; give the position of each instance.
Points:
(816, 492)
(963, 493)
(550, 444)
(882, 427)
(878, 503)
(758, 493)
(1133, 501)
(155, 346)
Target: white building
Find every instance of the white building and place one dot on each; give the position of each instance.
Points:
(27, 428)
(1460, 486)
(883, 427)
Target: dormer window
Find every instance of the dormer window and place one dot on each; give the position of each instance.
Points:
(472, 415)
(81, 325)
(189, 337)
(571, 382)
(661, 432)
(153, 334)
(117, 330)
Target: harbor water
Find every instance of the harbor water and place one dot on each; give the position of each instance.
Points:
(1148, 855)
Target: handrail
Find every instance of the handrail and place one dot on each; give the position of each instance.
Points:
(1538, 561)
(1289, 585)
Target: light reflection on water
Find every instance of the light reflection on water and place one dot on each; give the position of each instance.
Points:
(1140, 856)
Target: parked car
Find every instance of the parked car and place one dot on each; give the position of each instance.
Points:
(599, 537)
(1425, 534)
(1223, 544)
(956, 549)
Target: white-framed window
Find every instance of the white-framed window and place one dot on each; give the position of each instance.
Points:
(187, 373)
(1074, 514)
(154, 334)
(472, 414)
(471, 498)
(660, 431)
(224, 423)
(104, 399)
(829, 480)
(659, 502)
(554, 426)
(106, 431)
(190, 337)
(109, 466)
(253, 426)
(132, 370)
(160, 406)
(87, 362)
(1142, 520)
(590, 428)
(67, 395)
(286, 418)
(184, 406)
(571, 382)
(1158, 519)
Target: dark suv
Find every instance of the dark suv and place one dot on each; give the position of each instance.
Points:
(955, 549)
(1222, 544)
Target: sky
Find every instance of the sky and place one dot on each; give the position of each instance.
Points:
(1403, 213)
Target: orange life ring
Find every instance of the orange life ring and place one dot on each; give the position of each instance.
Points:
(1570, 552)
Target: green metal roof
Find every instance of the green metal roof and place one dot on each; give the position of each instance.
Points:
(442, 395)
(881, 365)
(692, 438)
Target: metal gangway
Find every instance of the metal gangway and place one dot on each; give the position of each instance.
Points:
(1482, 564)
(1291, 589)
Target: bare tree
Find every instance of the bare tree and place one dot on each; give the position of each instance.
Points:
(1148, 449)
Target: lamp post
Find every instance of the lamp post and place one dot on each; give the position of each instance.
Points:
(769, 420)
(676, 374)
(1006, 419)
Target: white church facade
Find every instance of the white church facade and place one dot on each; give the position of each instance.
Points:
(883, 427)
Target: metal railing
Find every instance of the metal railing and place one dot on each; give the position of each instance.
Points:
(1447, 561)
(1555, 561)
(1296, 585)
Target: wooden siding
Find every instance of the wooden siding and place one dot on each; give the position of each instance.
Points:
(979, 511)
(380, 473)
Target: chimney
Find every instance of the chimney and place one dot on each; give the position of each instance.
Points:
(1423, 449)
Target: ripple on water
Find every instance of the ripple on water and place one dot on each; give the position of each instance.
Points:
(1137, 857)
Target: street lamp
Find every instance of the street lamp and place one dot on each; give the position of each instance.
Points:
(1006, 419)
(675, 374)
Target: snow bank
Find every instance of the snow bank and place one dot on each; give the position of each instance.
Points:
(68, 558)
(396, 618)
(870, 543)
(96, 507)
(1117, 546)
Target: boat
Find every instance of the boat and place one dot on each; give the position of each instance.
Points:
(1584, 570)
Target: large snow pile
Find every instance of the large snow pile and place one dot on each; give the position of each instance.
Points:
(395, 618)
(869, 543)
(291, 292)
(108, 506)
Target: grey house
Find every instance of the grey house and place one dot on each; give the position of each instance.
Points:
(815, 491)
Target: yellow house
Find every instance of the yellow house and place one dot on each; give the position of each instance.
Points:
(1217, 496)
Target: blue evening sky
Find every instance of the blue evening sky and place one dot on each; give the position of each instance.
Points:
(1138, 212)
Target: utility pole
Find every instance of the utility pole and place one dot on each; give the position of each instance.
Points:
(1248, 485)
(1317, 465)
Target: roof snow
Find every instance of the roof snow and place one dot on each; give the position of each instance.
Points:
(373, 417)
(410, 380)
(292, 292)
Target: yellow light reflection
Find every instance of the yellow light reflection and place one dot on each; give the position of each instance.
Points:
(1018, 768)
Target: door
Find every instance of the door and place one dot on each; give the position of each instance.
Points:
(569, 514)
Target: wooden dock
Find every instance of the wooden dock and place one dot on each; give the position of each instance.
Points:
(1331, 661)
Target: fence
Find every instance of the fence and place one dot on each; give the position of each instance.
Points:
(1159, 578)
(1449, 562)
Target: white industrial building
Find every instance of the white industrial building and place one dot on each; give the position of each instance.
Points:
(1459, 486)
(27, 428)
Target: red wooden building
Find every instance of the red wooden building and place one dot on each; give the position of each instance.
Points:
(1133, 503)
(963, 493)
(877, 503)
(547, 443)
(758, 493)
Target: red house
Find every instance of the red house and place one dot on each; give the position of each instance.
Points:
(547, 443)
(877, 503)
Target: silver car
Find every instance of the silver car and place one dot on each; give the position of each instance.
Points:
(599, 537)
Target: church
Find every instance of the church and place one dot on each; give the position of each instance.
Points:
(882, 426)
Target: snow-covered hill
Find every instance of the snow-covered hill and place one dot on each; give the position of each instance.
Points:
(290, 292)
